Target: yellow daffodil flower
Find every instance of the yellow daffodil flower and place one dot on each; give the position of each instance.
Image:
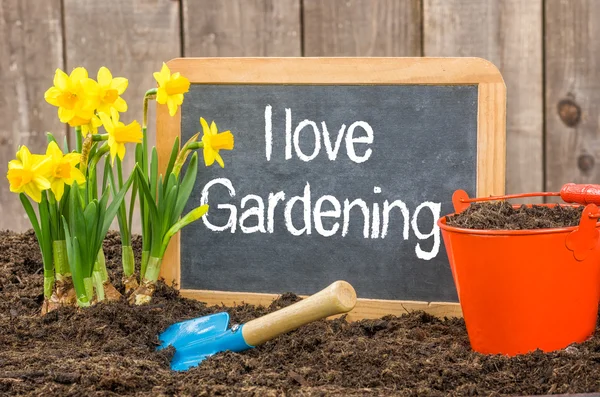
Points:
(214, 141)
(109, 91)
(170, 88)
(63, 169)
(29, 174)
(119, 134)
(75, 95)
(87, 126)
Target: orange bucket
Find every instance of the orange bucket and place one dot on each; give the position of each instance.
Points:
(522, 290)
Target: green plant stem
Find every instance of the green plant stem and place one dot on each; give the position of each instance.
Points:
(98, 285)
(78, 139)
(146, 227)
(194, 145)
(61, 263)
(98, 155)
(46, 246)
(122, 213)
(100, 137)
(144, 164)
(85, 300)
(144, 266)
(93, 174)
(100, 266)
(48, 284)
(152, 269)
(150, 94)
(62, 270)
(56, 230)
(92, 185)
(100, 275)
(128, 260)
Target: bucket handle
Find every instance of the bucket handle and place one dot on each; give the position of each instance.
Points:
(461, 199)
(580, 241)
(570, 193)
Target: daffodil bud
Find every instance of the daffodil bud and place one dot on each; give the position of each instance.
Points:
(190, 145)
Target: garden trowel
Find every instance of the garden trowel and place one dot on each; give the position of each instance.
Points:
(198, 338)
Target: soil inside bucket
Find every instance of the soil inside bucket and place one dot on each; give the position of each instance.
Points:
(501, 215)
(109, 349)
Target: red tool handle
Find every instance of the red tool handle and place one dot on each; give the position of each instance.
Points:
(580, 194)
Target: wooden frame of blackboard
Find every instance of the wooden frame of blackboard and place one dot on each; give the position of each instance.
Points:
(491, 135)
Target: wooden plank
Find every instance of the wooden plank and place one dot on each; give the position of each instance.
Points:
(339, 70)
(509, 34)
(326, 70)
(241, 28)
(362, 27)
(364, 309)
(167, 128)
(572, 92)
(132, 39)
(30, 50)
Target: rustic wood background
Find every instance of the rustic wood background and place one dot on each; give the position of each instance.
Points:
(547, 50)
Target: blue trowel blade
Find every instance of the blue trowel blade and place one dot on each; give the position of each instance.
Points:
(182, 333)
(195, 340)
(194, 352)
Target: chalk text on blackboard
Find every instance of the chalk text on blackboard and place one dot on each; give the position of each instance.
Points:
(292, 139)
(327, 216)
(376, 218)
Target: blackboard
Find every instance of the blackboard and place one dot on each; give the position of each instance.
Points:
(379, 162)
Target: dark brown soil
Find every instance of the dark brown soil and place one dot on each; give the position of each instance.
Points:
(109, 350)
(501, 215)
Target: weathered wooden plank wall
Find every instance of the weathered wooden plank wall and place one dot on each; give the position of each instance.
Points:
(547, 51)
(362, 28)
(31, 47)
(241, 28)
(509, 34)
(572, 91)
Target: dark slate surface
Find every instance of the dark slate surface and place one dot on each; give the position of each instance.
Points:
(424, 147)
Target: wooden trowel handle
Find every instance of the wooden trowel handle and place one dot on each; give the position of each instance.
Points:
(338, 298)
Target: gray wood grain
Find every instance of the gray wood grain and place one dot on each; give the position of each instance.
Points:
(362, 27)
(509, 34)
(241, 28)
(572, 92)
(31, 48)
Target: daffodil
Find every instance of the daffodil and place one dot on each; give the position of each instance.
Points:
(87, 126)
(119, 134)
(63, 169)
(75, 95)
(214, 141)
(29, 174)
(109, 91)
(170, 88)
